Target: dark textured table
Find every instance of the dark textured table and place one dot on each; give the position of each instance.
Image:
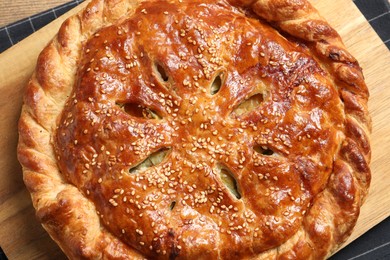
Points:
(374, 244)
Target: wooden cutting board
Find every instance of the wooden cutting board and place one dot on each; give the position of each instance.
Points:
(22, 237)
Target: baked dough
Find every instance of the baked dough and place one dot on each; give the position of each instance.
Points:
(196, 129)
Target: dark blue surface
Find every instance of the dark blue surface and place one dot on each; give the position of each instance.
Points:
(15, 32)
(2, 255)
(377, 12)
(372, 245)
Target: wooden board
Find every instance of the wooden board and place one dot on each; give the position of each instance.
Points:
(22, 237)
(14, 10)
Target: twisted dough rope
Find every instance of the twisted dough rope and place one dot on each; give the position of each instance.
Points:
(351, 172)
(71, 219)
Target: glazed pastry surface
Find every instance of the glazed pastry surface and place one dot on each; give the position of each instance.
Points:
(196, 130)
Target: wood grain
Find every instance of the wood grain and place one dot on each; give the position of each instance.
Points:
(21, 235)
(374, 58)
(14, 10)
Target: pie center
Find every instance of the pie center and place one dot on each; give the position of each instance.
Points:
(192, 116)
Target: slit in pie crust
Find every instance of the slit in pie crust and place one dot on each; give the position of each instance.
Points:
(196, 130)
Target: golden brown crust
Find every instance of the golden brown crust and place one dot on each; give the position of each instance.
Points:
(287, 119)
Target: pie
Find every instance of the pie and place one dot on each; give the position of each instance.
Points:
(196, 129)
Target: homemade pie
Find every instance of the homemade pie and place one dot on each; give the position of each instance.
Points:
(196, 129)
